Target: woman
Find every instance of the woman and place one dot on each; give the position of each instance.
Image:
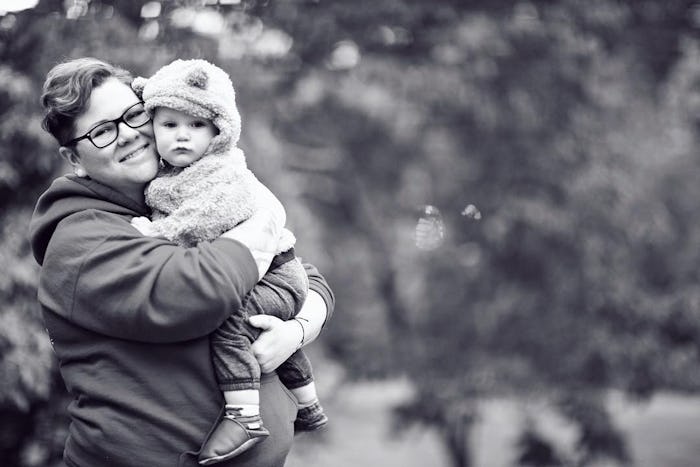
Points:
(129, 316)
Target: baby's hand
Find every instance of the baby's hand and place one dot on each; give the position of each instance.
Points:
(145, 226)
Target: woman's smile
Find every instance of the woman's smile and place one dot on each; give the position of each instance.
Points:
(140, 150)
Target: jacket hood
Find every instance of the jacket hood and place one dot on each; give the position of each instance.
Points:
(69, 195)
(198, 88)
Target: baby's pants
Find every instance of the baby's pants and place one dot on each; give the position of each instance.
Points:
(281, 293)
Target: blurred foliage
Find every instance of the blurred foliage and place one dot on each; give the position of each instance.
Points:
(571, 125)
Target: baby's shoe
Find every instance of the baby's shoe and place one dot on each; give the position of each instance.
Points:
(234, 435)
(310, 418)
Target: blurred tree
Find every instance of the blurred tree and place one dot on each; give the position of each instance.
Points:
(552, 119)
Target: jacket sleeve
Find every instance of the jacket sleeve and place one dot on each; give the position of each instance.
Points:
(102, 274)
(318, 283)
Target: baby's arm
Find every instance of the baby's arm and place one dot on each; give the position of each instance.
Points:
(204, 214)
(201, 204)
(204, 217)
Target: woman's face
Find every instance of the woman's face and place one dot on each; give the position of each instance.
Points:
(128, 163)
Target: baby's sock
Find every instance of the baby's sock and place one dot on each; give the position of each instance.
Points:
(244, 396)
(305, 395)
(246, 403)
(245, 410)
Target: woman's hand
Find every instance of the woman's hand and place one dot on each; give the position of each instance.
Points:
(262, 231)
(145, 226)
(280, 339)
(277, 341)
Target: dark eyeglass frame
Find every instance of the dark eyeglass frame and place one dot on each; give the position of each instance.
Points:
(116, 123)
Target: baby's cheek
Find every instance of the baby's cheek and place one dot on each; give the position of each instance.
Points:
(159, 138)
(162, 147)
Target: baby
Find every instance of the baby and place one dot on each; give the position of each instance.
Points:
(204, 188)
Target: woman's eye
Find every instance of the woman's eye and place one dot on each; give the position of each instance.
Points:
(99, 131)
(135, 115)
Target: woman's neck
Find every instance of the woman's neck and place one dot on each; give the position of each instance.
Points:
(136, 194)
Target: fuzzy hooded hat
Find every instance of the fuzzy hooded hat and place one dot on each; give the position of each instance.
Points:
(198, 88)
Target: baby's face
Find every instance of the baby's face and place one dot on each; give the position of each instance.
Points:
(181, 139)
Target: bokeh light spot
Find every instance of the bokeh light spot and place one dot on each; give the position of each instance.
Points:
(471, 212)
(430, 229)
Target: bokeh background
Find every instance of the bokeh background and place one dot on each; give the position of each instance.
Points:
(549, 315)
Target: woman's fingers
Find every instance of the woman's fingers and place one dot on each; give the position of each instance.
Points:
(277, 341)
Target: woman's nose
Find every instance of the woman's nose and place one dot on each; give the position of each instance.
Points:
(126, 133)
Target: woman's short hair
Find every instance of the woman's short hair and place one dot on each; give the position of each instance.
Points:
(67, 91)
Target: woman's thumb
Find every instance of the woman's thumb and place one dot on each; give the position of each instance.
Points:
(260, 321)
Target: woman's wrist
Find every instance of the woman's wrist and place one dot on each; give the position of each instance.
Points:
(313, 313)
(302, 322)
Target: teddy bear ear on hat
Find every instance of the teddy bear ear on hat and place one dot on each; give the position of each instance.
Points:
(138, 84)
(197, 78)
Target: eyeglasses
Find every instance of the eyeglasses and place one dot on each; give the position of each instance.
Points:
(106, 133)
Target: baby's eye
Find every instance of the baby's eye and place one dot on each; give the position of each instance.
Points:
(168, 124)
(199, 124)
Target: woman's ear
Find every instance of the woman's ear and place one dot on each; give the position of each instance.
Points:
(73, 159)
(69, 155)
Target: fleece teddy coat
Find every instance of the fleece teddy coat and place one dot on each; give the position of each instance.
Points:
(212, 195)
(129, 318)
